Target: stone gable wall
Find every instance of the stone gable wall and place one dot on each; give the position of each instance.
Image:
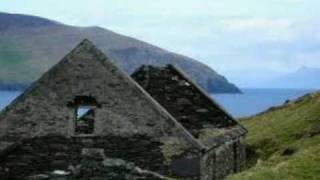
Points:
(227, 159)
(181, 98)
(124, 109)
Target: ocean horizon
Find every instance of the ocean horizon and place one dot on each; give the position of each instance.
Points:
(252, 101)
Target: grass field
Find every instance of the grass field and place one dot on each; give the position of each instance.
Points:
(286, 142)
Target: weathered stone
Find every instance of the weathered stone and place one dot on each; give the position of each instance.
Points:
(202, 110)
(75, 171)
(161, 132)
(186, 167)
(59, 147)
(93, 153)
(88, 142)
(122, 109)
(6, 147)
(38, 177)
(61, 155)
(201, 116)
(186, 101)
(183, 102)
(111, 162)
(59, 163)
(60, 173)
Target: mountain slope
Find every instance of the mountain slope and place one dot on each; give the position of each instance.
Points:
(31, 45)
(286, 141)
(303, 78)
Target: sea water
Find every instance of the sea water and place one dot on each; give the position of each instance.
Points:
(251, 102)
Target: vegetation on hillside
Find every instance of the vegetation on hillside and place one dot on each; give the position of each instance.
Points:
(13, 63)
(30, 45)
(285, 142)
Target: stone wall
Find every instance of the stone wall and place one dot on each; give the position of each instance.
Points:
(182, 98)
(199, 115)
(124, 108)
(226, 159)
(46, 154)
(240, 152)
(128, 123)
(186, 166)
(39, 155)
(207, 165)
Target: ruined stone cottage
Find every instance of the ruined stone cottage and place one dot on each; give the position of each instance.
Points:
(85, 118)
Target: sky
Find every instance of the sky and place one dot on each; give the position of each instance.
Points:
(247, 41)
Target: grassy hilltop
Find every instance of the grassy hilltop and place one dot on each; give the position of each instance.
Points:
(286, 142)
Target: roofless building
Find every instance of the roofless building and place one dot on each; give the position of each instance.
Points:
(85, 117)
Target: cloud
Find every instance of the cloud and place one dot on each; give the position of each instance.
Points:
(231, 36)
(310, 59)
(253, 24)
(261, 29)
(294, 1)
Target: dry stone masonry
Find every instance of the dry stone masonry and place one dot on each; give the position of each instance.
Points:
(200, 115)
(86, 119)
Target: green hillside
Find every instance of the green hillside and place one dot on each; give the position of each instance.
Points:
(30, 45)
(286, 142)
(14, 64)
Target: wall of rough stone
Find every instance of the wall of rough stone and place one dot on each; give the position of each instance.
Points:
(240, 152)
(195, 111)
(207, 163)
(130, 124)
(46, 154)
(182, 98)
(123, 110)
(186, 166)
(226, 159)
